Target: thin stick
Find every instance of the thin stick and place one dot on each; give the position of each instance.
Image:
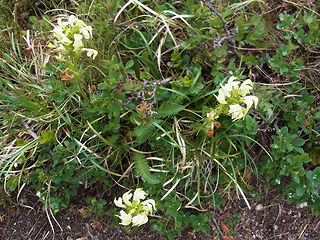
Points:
(229, 37)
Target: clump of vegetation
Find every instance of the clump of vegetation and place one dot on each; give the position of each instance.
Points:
(171, 97)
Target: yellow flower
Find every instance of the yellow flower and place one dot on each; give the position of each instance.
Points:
(212, 115)
(50, 45)
(61, 49)
(149, 205)
(237, 112)
(249, 101)
(245, 87)
(119, 203)
(90, 52)
(139, 219)
(221, 98)
(125, 218)
(126, 198)
(72, 20)
(232, 84)
(86, 32)
(77, 44)
(135, 212)
(225, 90)
(139, 194)
(58, 32)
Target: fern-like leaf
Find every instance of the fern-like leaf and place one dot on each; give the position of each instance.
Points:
(144, 133)
(142, 169)
(169, 109)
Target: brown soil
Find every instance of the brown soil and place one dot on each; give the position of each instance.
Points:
(270, 218)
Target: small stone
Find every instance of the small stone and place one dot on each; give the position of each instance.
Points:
(303, 205)
(275, 227)
(259, 207)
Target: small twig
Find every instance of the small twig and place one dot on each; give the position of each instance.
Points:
(30, 130)
(279, 235)
(230, 38)
(217, 226)
(89, 233)
(303, 230)
(34, 135)
(150, 101)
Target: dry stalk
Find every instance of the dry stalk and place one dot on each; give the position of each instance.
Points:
(229, 37)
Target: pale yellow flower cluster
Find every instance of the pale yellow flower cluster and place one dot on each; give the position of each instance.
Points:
(135, 212)
(70, 33)
(231, 98)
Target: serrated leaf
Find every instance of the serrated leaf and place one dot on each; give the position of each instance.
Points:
(167, 109)
(144, 132)
(142, 169)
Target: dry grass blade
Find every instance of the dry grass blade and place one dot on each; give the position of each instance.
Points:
(233, 180)
(165, 21)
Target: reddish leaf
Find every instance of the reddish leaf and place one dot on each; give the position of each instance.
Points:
(210, 133)
(228, 238)
(224, 229)
(224, 216)
(247, 175)
(97, 226)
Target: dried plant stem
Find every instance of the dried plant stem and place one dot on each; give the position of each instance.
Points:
(229, 37)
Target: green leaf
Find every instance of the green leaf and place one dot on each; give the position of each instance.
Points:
(298, 142)
(34, 19)
(167, 109)
(300, 191)
(129, 64)
(204, 228)
(310, 175)
(47, 137)
(12, 183)
(20, 142)
(139, 130)
(289, 148)
(298, 149)
(295, 177)
(142, 169)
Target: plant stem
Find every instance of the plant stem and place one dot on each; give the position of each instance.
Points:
(77, 75)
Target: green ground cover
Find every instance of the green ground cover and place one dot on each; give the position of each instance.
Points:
(184, 99)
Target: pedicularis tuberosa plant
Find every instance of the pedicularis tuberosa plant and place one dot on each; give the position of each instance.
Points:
(71, 39)
(70, 34)
(233, 99)
(134, 212)
(159, 94)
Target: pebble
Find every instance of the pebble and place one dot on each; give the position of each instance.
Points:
(303, 205)
(275, 227)
(259, 207)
